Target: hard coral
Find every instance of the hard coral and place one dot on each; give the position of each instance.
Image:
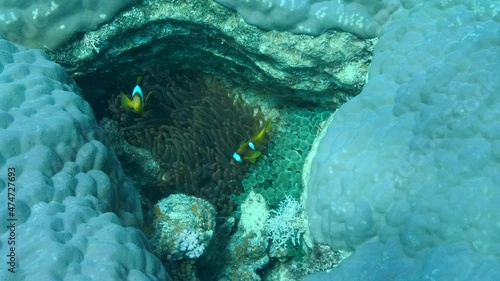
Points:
(193, 127)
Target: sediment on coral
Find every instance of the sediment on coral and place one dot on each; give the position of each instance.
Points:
(193, 126)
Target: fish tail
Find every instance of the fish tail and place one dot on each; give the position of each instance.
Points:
(260, 136)
(126, 102)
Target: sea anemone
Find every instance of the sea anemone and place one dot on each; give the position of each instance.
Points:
(193, 126)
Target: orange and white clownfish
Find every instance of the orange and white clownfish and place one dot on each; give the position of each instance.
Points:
(249, 151)
(138, 100)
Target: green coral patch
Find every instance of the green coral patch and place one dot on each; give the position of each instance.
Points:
(278, 173)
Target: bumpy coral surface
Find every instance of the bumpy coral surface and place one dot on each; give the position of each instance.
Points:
(364, 18)
(74, 213)
(50, 23)
(407, 172)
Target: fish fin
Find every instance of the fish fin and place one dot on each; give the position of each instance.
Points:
(266, 128)
(268, 125)
(252, 157)
(139, 79)
(126, 102)
(147, 97)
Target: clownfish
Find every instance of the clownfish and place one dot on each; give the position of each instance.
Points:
(138, 101)
(249, 151)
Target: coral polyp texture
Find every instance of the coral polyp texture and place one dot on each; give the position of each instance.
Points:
(76, 214)
(406, 174)
(39, 24)
(193, 127)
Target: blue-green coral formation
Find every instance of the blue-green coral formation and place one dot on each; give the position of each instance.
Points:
(360, 17)
(49, 24)
(77, 215)
(279, 173)
(406, 174)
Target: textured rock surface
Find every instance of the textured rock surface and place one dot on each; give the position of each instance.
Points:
(39, 24)
(76, 213)
(179, 220)
(248, 245)
(205, 35)
(407, 172)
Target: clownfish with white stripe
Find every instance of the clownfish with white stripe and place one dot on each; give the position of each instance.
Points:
(138, 101)
(250, 150)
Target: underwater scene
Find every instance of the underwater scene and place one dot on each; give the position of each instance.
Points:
(225, 140)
